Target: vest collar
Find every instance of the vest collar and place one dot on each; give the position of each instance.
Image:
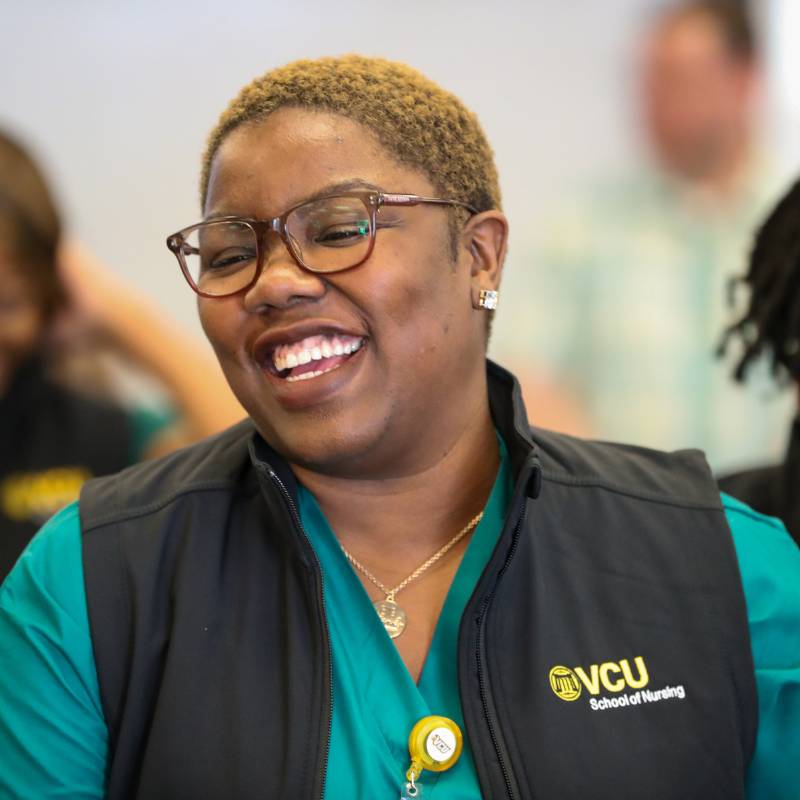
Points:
(511, 419)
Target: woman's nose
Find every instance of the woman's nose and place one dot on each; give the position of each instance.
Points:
(282, 282)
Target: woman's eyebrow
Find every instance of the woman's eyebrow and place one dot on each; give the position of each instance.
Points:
(341, 186)
(325, 191)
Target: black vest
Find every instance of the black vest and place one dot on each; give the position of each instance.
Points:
(604, 653)
(51, 441)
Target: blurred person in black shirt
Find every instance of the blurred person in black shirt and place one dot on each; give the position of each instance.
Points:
(60, 421)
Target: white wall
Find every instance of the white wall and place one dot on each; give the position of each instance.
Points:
(782, 25)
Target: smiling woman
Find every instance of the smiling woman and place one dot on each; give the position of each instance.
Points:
(366, 588)
(394, 289)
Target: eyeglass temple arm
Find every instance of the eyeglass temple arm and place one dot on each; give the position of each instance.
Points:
(415, 200)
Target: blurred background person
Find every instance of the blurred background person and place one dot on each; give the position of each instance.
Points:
(625, 298)
(770, 328)
(61, 419)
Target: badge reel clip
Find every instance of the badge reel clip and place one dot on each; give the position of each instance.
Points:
(434, 744)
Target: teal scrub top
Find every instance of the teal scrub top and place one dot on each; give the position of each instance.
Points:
(53, 738)
(375, 701)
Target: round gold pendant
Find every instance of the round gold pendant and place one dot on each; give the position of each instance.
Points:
(392, 616)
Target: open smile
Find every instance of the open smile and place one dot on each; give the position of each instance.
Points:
(312, 356)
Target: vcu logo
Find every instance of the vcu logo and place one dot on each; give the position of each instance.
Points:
(564, 682)
(611, 675)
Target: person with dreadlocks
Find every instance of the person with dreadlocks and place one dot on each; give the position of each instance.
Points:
(771, 327)
(384, 583)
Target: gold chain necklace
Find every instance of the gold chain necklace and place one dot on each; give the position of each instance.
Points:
(391, 614)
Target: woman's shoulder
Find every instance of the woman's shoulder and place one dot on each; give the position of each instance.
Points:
(49, 570)
(681, 477)
(213, 464)
(46, 650)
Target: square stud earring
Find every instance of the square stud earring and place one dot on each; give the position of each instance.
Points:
(487, 299)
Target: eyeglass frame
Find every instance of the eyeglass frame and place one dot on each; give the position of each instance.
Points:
(372, 199)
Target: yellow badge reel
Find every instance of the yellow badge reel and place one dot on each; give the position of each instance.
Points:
(435, 744)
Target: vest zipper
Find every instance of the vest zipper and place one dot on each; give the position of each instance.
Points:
(486, 692)
(321, 600)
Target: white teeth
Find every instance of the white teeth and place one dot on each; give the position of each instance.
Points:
(306, 375)
(313, 348)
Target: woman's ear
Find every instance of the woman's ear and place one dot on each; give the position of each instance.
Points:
(485, 239)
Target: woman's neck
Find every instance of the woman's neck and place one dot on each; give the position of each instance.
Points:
(393, 522)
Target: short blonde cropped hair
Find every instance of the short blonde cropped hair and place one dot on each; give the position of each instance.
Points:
(419, 123)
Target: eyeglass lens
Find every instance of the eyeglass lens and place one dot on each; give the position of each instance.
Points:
(327, 235)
